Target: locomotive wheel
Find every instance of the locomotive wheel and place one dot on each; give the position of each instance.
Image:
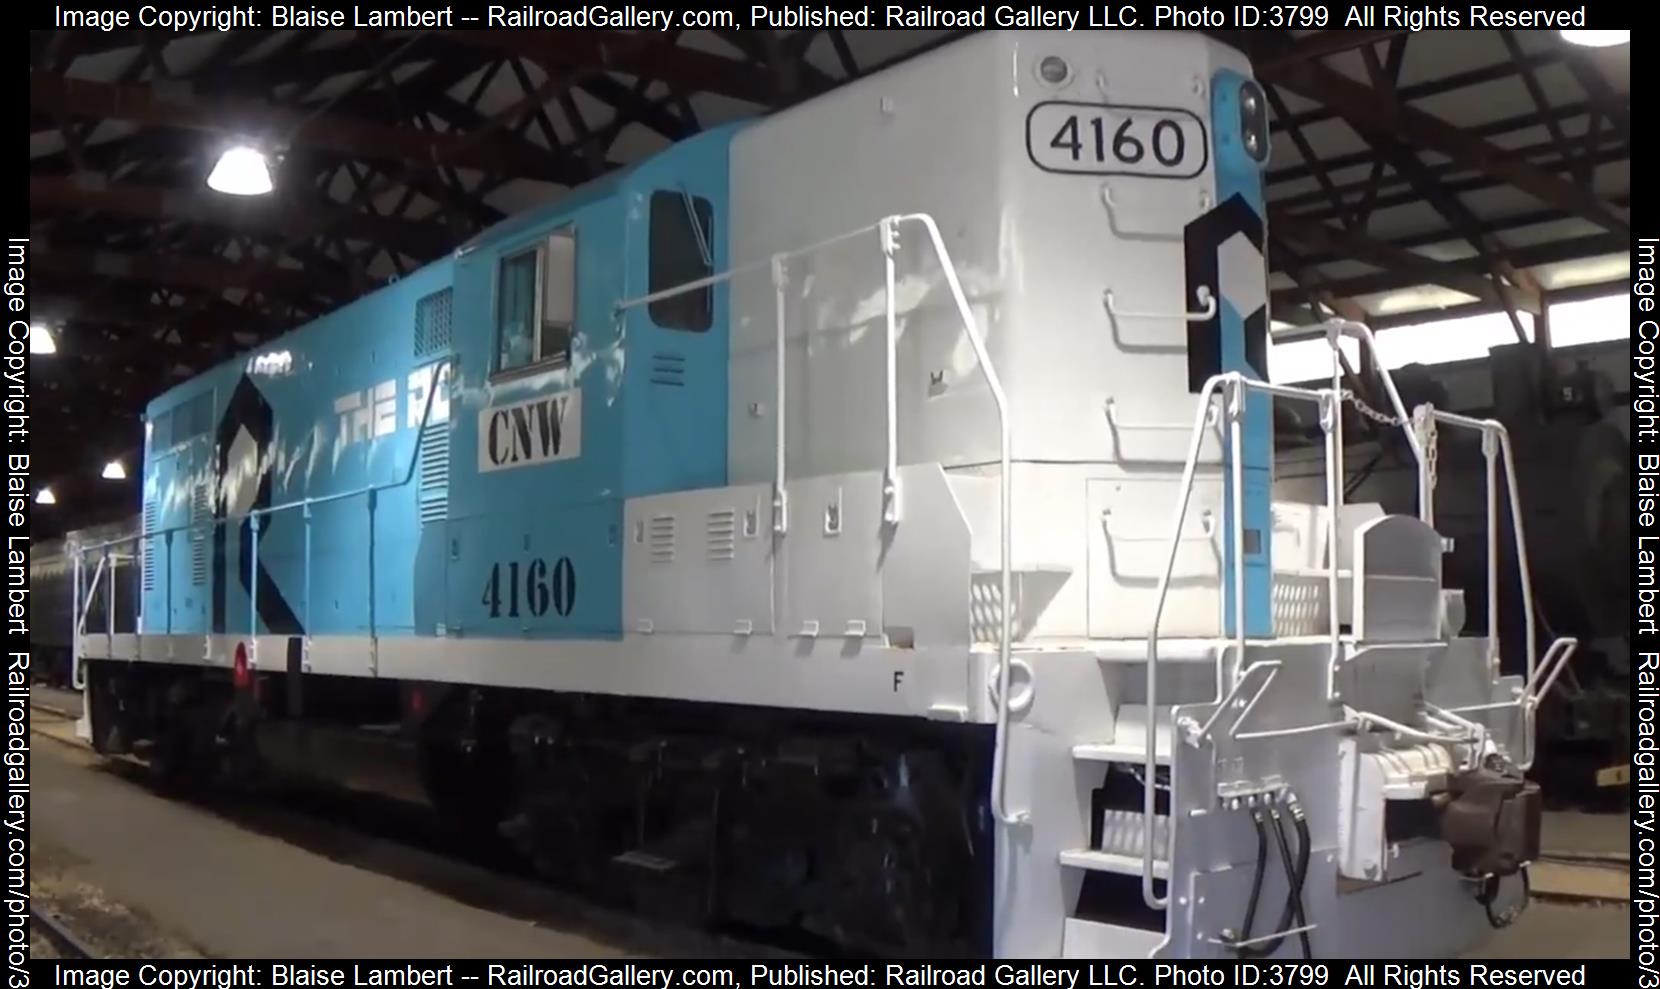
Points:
(182, 758)
(462, 792)
(890, 873)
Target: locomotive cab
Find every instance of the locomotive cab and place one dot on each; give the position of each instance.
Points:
(565, 405)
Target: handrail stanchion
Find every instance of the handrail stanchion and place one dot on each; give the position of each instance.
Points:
(1490, 453)
(1236, 398)
(109, 605)
(374, 633)
(994, 385)
(167, 588)
(890, 468)
(254, 519)
(780, 497)
(305, 565)
(75, 676)
(1331, 420)
(1524, 572)
(1148, 792)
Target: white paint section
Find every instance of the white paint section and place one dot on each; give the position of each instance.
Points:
(418, 404)
(241, 476)
(1037, 251)
(538, 431)
(1240, 269)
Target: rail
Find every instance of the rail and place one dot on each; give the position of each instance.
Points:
(887, 230)
(52, 927)
(1233, 388)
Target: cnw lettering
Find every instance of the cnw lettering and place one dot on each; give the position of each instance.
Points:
(539, 431)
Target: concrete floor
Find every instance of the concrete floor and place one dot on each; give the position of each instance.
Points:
(212, 885)
(230, 892)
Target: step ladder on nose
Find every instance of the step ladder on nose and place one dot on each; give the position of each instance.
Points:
(1116, 844)
(1110, 919)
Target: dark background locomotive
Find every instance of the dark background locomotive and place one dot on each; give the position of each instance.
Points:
(1573, 468)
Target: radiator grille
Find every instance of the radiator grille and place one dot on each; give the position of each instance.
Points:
(201, 511)
(432, 323)
(435, 473)
(150, 545)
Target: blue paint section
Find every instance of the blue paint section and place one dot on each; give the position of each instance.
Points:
(637, 436)
(438, 535)
(1238, 174)
(267, 429)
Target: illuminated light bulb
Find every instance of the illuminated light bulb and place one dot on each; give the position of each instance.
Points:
(241, 171)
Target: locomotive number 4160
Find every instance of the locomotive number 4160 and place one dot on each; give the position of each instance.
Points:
(1108, 139)
(544, 588)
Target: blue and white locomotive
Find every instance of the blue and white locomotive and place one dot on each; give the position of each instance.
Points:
(859, 520)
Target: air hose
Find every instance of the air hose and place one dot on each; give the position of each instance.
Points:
(1489, 893)
(1295, 877)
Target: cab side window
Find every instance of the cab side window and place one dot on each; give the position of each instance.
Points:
(536, 304)
(681, 250)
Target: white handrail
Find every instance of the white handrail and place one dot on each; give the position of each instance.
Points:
(1329, 399)
(1491, 431)
(1149, 794)
(1363, 333)
(887, 226)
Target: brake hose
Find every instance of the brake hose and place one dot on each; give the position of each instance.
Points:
(1489, 893)
(1256, 877)
(1295, 877)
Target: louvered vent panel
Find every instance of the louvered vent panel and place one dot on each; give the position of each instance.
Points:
(660, 538)
(722, 533)
(432, 324)
(668, 369)
(201, 511)
(151, 513)
(435, 473)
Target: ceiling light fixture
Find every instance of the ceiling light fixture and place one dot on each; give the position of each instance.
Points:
(113, 471)
(1596, 39)
(41, 340)
(241, 171)
(45, 497)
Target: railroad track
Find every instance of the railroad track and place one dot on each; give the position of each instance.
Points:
(67, 942)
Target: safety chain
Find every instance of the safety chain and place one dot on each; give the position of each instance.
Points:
(1424, 426)
(1429, 439)
(1369, 412)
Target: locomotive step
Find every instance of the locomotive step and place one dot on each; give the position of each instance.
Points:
(1127, 752)
(1129, 741)
(1124, 865)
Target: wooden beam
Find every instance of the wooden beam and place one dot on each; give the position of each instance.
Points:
(683, 68)
(1317, 45)
(1374, 112)
(1321, 237)
(288, 213)
(181, 106)
(60, 305)
(211, 273)
(1427, 272)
